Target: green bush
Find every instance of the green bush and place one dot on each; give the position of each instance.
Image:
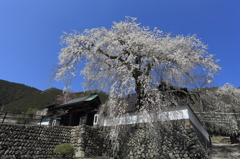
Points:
(64, 150)
(26, 117)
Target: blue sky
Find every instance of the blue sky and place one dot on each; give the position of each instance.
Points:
(30, 32)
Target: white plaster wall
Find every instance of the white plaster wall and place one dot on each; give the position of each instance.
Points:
(177, 114)
(133, 118)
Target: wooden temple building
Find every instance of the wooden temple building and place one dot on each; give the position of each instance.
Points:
(84, 110)
(75, 112)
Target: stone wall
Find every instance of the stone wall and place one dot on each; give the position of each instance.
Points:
(180, 140)
(31, 141)
(89, 141)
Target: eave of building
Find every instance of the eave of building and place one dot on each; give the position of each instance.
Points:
(77, 101)
(51, 105)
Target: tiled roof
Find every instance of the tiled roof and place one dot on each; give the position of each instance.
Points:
(78, 100)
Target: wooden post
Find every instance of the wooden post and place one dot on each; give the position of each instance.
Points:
(41, 120)
(4, 116)
(70, 119)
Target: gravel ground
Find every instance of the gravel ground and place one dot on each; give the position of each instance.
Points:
(219, 151)
(224, 151)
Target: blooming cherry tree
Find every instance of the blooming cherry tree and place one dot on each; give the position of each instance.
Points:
(128, 58)
(218, 108)
(229, 104)
(66, 96)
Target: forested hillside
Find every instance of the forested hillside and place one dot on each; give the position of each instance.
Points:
(10, 92)
(18, 98)
(37, 100)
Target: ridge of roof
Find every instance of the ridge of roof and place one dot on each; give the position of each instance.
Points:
(78, 100)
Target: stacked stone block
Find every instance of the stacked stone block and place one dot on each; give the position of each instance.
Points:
(178, 141)
(88, 141)
(31, 141)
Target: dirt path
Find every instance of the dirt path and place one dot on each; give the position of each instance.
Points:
(223, 151)
(219, 151)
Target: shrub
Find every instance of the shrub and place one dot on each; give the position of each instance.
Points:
(64, 150)
(26, 117)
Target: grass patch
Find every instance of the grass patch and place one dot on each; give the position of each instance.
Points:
(218, 139)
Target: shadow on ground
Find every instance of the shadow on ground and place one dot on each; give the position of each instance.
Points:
(225, 151)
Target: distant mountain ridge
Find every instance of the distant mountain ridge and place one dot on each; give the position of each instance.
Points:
(17, 98)
(10, 91)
